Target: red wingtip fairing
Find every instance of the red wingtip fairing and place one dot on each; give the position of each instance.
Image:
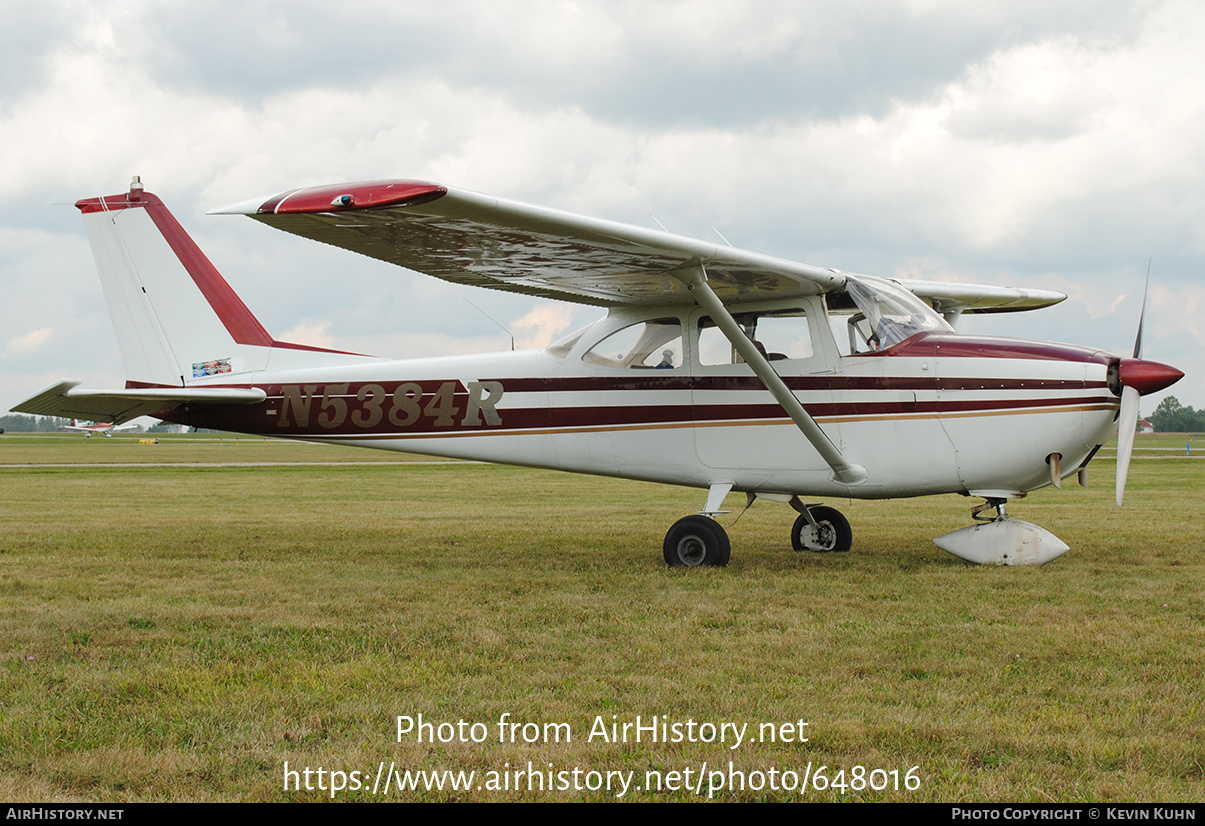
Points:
(363, 195)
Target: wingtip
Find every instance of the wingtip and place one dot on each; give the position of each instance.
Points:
(251, 206)
(338, 197)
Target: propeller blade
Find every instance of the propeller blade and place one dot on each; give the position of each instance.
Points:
(1142, 313)
(1127, 423)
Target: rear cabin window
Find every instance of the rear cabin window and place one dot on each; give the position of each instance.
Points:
(648, 345)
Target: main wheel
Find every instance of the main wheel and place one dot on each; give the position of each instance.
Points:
(832, 532)
(697, 540)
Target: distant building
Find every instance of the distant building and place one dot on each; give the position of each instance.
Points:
(1145, 426)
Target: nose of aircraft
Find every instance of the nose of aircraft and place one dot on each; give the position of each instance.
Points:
(1147, 376)
(1136, 378)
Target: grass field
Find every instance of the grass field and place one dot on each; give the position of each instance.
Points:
(180, 631)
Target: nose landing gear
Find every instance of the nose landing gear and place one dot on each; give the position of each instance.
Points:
(1001, 540)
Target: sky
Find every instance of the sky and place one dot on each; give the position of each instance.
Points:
(1031, 144)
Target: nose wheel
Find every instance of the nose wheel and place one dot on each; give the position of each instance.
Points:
(822, 530)
(697, 540)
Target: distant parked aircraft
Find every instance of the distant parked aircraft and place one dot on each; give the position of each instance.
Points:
(90, 429)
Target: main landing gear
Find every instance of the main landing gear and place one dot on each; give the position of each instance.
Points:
(699, 540)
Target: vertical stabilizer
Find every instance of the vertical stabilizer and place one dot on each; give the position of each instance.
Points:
(176, 318)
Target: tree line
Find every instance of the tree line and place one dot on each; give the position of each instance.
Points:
(1172, 417)
(19, 423)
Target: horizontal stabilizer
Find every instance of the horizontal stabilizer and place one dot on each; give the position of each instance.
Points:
(117, 406)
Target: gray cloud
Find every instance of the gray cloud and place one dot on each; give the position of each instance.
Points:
(31, 31)
(661, 65)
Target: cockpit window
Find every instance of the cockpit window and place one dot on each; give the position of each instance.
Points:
(888, 314)
(649, 345)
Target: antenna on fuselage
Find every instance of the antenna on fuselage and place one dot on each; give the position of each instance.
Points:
(491, 318)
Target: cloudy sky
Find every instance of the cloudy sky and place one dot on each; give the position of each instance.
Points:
(1018, 143)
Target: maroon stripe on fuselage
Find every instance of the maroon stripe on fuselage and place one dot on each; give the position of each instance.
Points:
(952, 345)
(256, 419)
(582, 384)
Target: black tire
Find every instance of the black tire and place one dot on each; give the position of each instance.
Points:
(834, 536)
(697, 540)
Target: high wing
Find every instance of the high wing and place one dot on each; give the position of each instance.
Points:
(469, 238)
(951, 297)
(118, 406)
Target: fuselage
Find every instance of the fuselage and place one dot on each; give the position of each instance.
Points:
(652, 394)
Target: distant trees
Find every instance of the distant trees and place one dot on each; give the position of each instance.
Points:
(18, 423)
(1172, 417)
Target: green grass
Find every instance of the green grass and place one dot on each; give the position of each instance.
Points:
(178, 633)
(203, 448)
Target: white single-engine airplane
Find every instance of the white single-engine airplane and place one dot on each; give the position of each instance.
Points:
(90, 429)
(714, 367)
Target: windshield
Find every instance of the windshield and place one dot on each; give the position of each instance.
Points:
(892, 312)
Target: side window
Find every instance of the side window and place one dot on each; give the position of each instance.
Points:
(649, 345)
(780, 335)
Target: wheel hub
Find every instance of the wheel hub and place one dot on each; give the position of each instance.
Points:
(821, 530)
(822, 537)
(692, 550)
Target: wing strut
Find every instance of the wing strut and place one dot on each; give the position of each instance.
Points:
(843, 471)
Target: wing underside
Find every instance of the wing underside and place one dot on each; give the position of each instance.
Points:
(946, 297)
(470, 238)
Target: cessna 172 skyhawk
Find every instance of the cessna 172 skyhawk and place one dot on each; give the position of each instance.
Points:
(714, 367)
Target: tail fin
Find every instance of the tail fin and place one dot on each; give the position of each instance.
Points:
(177, 320)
